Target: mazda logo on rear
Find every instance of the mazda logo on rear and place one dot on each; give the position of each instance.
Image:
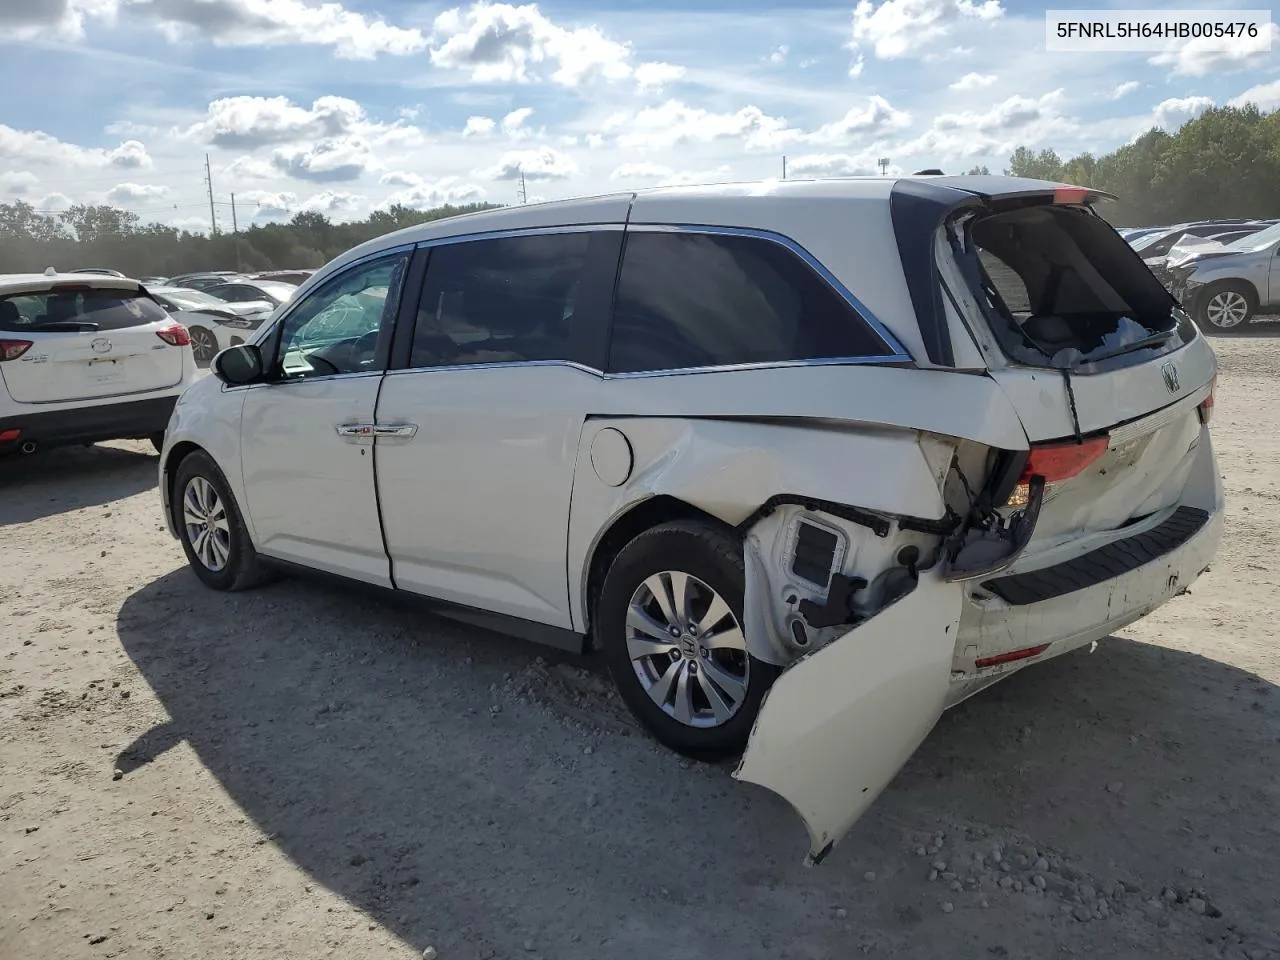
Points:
(100, 345)
(1170, 374)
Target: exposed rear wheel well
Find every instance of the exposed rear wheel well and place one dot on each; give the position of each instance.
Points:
(643, 516)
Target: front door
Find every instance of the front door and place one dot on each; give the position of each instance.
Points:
(307, 433)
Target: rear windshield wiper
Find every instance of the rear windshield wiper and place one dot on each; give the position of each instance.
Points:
(1146, 342)
(74, 326)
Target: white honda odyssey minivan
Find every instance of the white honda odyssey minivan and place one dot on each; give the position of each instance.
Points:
(806, 462)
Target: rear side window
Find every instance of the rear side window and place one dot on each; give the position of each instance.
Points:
(690, 300)
(505, 300)
(84, 307)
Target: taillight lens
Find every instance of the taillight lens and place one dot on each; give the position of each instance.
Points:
(1057, 462)
(176, 335)
(1206, 405)
(13, 349)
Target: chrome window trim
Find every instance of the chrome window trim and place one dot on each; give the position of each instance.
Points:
(522, 232)
(502, 365)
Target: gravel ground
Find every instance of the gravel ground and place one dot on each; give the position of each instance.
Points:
(304, 772)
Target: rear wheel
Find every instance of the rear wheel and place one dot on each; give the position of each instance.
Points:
(1227, 307)
(669, 623)
(204, 345)
(211, 528)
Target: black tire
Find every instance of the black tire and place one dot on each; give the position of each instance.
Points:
(242, 568)
(1231, 291)
(714, 557)
(157, 441)
(204, 345)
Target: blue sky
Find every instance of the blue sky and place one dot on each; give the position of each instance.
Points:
(346, 106)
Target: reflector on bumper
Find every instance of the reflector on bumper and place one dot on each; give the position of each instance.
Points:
(839, 724)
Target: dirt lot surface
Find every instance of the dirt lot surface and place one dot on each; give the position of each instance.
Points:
(300, 772)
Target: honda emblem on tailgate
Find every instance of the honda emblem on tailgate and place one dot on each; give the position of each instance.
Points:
(1171, 380)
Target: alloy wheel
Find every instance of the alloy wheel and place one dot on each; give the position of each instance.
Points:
(204, 518)
(203, 345)
(687, 649)
(1227, 309)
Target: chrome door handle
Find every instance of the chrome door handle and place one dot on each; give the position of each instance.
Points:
(356, 432)
(399, 431)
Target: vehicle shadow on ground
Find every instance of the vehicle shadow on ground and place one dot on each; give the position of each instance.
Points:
(70, 478)
(361, 737)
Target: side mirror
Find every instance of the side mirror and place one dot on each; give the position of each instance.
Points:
(238, 365)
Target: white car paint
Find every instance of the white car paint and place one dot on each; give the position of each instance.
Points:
(83, 385)
(494, 485)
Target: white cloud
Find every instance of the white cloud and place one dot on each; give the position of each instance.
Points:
(17, 183)
(1265, 95)
(126, 193)
(500, 42)
(249, 168)
(675, 122)
(513, 123)
(331, 160)
(902, 28)
(273, 23)
(268, 204)
(36, 146)
(855, 68)
(53, 203)
(877, 116)
(997, 129)
(333, 203)
(593, 140)
(63, 19)
(1172, 113)
(251, 122)
(478, 126)
(400, 178)
(667, 177)
(1199, 57)
(641, 171)
(974, 81)
(423, 194)
(655, 76)
(779, 54)
(1124, 89)
(545, 163)
(833, 165)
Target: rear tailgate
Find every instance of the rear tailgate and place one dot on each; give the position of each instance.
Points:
(1109, 378)
(86, 342)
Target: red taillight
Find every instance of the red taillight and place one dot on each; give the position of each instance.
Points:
(10, 435)
(1206, 405)
(1011, 657)
(1057, 462)
(13, 349)
(1070, 195)
(175, 335)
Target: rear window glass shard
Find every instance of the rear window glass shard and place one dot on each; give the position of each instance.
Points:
(687, 300)
(88, 308)
(1064, 289)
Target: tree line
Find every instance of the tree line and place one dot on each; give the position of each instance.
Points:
(1223, 163)
(98, 235)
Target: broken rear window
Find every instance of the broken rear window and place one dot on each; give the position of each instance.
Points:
(1064, 289)
(72, 305)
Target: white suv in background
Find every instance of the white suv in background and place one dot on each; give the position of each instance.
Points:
(86, 357)
(805, 462)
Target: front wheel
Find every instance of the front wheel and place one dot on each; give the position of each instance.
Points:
(1227, 307)
(211, 528)
(669, 623)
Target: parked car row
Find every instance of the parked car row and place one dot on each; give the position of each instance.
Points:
(1223, 271)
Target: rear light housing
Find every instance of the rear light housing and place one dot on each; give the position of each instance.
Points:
(1205, 409)
(13, 349)
(1056, 462)
(10, 435)
(176, 335)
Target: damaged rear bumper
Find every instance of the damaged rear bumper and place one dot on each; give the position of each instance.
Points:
(839, 723)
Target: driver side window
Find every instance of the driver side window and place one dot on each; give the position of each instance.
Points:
(338, 328)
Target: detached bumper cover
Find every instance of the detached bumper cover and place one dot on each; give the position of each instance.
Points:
(839, 724)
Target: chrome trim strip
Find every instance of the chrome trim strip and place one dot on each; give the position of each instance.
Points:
(898, 353)
(766, 365)
(522, 232)
(501, 365)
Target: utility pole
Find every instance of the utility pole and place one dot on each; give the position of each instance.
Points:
(884, 165)
(524, 192)
(784, 166)
(208, 178)
(235, 227)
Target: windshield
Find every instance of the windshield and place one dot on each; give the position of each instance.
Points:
(1258, 241)
(1143, 242)
(282, 291)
